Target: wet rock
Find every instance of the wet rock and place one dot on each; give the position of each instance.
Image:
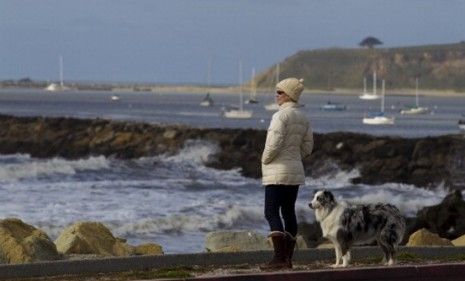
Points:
(447, 219)
(23, 243)
(424, 162)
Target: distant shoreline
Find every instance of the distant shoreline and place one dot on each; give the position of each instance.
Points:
(193, 89)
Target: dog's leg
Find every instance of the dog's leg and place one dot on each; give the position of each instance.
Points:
(346, 259)
(388, 251)
(338, 251)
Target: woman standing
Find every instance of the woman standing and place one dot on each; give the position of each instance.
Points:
(289, 139)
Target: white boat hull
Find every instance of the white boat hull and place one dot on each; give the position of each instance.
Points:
(206, 103)
(369, 97)
(462, 127)
(272, 107)
(238, 114)
(415, 110)
(378, 120)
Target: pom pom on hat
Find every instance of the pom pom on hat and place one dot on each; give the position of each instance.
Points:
(293, 87)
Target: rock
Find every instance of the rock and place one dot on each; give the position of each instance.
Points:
(326, 245)
(311, 233)
(447, 219)
(235, 241)
(240, 241)
(459, 241)
(151, 249)
(23, 243)
(423, 237)
(91, 238)
(424, 162)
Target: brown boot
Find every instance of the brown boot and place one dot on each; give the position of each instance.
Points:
(290, 245)
(279, 260)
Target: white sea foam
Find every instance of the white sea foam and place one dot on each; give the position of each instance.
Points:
(25, 167)
(235, 217)
(334, 180)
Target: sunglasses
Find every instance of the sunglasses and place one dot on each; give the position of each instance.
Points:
(280, 93)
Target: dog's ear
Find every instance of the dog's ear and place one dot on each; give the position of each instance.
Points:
(329, 195)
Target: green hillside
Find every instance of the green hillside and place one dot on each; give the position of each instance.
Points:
(439, 67)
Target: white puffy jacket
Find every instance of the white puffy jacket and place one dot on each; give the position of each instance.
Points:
(289, 139)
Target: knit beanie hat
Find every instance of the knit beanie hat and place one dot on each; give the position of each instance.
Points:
(293, 87)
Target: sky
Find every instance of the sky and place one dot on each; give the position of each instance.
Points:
(182, 41)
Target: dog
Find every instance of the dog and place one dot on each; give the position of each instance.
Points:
(345, 225)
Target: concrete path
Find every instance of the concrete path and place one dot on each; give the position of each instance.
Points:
(56, 268)
(437, 272)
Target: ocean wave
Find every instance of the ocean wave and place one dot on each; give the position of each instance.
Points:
(22, 167)
(235, 217)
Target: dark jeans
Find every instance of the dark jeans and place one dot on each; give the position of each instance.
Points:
(281, 198)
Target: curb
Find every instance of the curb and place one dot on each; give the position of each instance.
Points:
(438, 272)
(119, 264)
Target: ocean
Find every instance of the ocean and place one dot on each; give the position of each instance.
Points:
(175, 200)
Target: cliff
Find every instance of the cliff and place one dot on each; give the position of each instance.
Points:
(439, 67)
(424, 162)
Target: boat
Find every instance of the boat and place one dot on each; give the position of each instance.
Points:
(369, 96)
(379, 118)
(272, 106)
(207, 100)
(253, 90)
(54, 87)
(461, 124)
(115, 98)
(331, 106)
(239, 113)
(415, 109)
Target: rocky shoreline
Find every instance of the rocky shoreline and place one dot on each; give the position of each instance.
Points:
(424, 162)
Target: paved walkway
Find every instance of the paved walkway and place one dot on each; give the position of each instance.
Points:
(56, 268)
(437, 272)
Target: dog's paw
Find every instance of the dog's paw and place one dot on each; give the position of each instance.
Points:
(336, 265)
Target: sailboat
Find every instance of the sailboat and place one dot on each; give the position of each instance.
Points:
(332, 106)
(253, 89)
(378, 118)
(416, 109)
(53, 87)
(239, 113)
(207, 100)
(369, 96)
(461, 124)
(273, 106)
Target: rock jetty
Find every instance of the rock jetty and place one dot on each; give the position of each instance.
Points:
(424, 162)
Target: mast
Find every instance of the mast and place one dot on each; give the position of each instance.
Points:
(374, 82)
(416, 93)
(382, 95)
(61, 71)
(277, 73)
(364, 85)
(253, 85)
(240, 85)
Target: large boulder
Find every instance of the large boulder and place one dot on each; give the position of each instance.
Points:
(459, 241)
(240, 241)
(95, 238)
(23, 243)
(235, 241)
(423, 237)
(447, 219)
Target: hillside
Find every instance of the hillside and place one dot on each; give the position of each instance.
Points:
(439, 67)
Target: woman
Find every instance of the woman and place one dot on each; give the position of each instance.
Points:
(289, 139)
